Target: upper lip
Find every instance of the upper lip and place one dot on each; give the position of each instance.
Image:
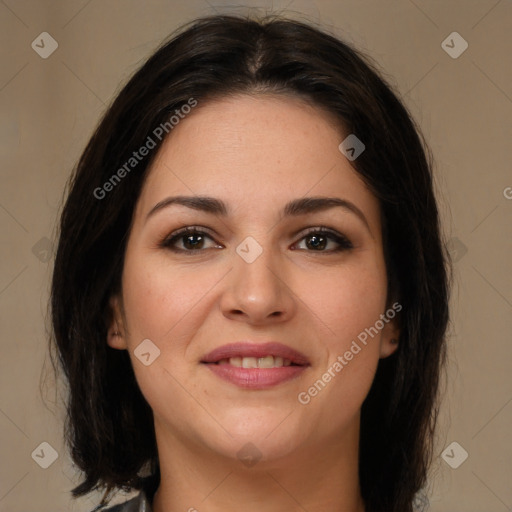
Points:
(248, 349)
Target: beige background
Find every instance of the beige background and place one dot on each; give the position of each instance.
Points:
(464, 105)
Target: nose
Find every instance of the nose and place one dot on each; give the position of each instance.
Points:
(258, 292)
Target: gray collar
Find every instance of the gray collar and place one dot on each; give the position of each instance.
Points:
(139, 503)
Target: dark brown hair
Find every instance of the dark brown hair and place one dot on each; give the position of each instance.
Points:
(109, 425)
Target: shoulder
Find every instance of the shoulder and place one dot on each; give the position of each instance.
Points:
(139, 503)
(142, 502)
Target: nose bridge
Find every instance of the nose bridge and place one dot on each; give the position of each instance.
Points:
(255, 263)
(257, 288)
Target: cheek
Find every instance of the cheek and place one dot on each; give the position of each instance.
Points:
(346, 300)
(166, 306)
(347, 303)
(160, 301)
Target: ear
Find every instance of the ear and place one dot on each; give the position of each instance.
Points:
(390, 338)
(116, 337)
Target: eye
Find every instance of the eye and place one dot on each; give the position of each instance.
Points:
(319, 238)
(192, 239)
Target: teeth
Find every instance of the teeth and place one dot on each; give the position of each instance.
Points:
(266, 362)
(256, 362)
(235, 361)
(249, 362)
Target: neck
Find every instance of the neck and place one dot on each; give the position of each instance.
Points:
(313, 478)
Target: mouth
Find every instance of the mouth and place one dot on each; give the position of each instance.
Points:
(268, 361)
(256, 366)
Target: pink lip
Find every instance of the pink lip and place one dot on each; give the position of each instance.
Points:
(256, 378)
(245, 349)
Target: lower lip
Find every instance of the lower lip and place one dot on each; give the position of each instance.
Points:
(256, 378)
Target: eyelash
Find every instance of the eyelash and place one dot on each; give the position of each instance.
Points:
(344, 243)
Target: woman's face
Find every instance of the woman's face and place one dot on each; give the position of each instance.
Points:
(259, 272)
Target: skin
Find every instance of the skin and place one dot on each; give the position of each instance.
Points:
(255, 153)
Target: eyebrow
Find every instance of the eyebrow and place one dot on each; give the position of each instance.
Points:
(294, 208)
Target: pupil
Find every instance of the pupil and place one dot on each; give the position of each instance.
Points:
(189, 240)
(317, 241)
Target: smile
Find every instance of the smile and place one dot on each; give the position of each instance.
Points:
(250, 365)
(255, 377)
(257, 362)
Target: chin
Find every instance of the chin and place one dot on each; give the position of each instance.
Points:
(259, 437)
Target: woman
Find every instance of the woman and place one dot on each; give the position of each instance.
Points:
(250, 293)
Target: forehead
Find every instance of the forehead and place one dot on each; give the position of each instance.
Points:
(258, 151)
